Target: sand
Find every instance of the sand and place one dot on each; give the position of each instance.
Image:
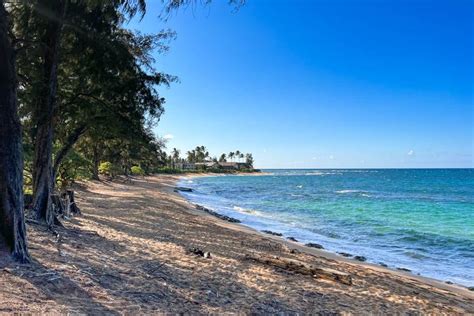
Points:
(128, 254)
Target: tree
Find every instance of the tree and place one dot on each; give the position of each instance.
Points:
(52, 17)
(191, 156)
(12, 224)
(237, 154)
(249, 160)
(231, 155)
(175, 156)
(222, 158)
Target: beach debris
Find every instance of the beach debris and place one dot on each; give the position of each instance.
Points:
(292, 239)
(183, 189)
(404, 269)
(360, 258)
(302, 268)
(196, 251)
(345, 254)
(220, 216)
(199, 252)
(269, 232)
(314, 245)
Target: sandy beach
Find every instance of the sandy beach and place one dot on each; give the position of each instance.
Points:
(136, 249)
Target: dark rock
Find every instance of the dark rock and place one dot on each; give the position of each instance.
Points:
(314, 245)
(471, 288)
(448, 282)
(294, 251)
(271, 233)
(196, 251)
(360, 258)
(183, 189)
(345, 254)
(292, 239)
(404, 269)
(223, 217)
(383, 264)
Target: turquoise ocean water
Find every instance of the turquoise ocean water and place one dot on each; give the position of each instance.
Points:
(420, 219)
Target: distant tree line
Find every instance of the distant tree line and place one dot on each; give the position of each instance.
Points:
(200, 154)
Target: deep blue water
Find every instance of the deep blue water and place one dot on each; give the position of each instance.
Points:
(420, 219)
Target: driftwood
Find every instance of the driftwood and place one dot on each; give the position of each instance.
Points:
(302, 268)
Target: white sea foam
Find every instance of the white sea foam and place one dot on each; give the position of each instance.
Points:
(244, 210)
(348, 191)
(320, 173)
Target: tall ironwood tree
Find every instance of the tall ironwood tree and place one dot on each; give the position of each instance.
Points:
(53, 12)
(12, 224)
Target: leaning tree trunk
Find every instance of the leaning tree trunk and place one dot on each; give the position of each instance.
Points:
(12, 222)
(69, 143)
(43, 180)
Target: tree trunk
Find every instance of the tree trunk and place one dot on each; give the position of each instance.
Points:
(12, 221)
(70, 141)
(95, 167)
(71, 205)
(43, 180)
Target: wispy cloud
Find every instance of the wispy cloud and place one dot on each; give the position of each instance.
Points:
(168, 136)
(331, 157)
(411, 152)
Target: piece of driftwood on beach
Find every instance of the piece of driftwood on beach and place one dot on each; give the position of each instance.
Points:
(302, 268)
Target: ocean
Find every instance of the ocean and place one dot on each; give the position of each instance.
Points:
(417, 219)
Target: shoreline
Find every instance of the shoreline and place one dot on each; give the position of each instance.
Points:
(330, 254)
(141, 248)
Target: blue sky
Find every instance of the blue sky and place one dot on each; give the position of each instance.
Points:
(322, 84)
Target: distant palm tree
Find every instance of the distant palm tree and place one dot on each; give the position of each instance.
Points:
(237, 154)
(231, 155)
(241, 156)
(249, 160)
(191, 156)
(175, 154)
(222, 158)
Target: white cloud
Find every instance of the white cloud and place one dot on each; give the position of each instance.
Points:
(314, 158)
(331, 157)
(168, 136)
(411, 152)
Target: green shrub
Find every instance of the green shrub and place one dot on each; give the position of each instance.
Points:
(106, 168)
(168, 170)
(137, 171)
